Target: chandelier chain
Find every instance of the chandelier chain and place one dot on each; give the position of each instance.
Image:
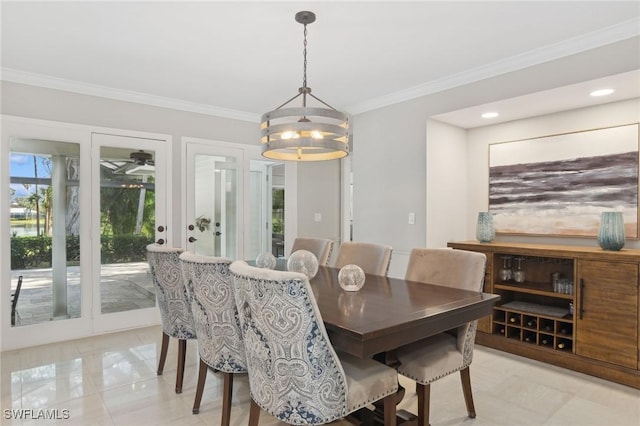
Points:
(304, 55)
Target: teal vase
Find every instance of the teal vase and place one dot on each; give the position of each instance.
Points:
(485, 232)
(611, 235)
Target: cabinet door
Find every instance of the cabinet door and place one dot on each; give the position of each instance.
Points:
(607, 316)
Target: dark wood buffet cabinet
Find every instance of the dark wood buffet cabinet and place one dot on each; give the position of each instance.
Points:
(588, 321)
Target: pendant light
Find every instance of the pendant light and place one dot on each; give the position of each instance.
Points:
(305, 133)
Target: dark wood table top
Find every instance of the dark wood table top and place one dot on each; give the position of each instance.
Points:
(389, 312)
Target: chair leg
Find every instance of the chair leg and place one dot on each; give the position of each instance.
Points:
(254, 414)
(163, 353)
(390, 410)
(202, 378)
(182, 354)
(465, 378)
(226, 399)
(424, 394)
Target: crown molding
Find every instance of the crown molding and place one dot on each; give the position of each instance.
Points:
(615, 33)
(41, 80)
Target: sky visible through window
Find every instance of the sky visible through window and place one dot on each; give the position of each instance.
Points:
(21, 165)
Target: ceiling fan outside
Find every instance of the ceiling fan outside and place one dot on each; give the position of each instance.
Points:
(139, 163)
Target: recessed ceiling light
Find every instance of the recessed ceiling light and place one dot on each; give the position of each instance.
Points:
(601, 92)
(490, 115)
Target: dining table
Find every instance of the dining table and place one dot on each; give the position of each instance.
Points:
(387, 313)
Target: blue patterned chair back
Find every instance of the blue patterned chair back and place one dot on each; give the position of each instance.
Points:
(171, 293)
(294, 372)
(214, 310)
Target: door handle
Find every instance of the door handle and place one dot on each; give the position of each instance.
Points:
(192, 239)
(191, 227)
(160, 241)
(581, 297)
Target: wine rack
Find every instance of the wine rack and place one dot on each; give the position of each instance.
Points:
(543, 331)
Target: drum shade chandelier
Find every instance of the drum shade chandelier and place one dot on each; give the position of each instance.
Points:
(305, 133)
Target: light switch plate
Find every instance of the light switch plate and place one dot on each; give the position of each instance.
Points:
(412, 218)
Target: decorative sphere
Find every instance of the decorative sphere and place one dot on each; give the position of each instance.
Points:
(303, 261)
(266, 260)
(351, 277)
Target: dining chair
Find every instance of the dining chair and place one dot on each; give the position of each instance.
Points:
(435, 357)
(320, 247)
(174, 304)
(14, 301)
(215, 314)
(371, 257)
(294, 372)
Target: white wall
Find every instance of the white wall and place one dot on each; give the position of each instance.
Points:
(447, 183)
(607, 115)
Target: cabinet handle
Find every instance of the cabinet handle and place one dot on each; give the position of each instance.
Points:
(161, 228)
(581, 297)
(192, 239)
(160, 241)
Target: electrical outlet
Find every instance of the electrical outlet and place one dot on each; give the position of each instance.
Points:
(412, 218)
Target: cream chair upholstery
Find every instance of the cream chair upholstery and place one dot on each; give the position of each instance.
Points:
(372, 258)
(173, 302)
(435, 357)
(217, 326)
(319, 246)
(294, 372)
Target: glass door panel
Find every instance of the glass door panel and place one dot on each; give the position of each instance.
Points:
(130, 183)
(213, 207)
(127, 221)
(45, 231)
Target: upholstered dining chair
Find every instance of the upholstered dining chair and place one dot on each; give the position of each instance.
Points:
(174, 304)
(321, 247)
(294, 372)
(214, 310)
(371, 257)
(430, 359)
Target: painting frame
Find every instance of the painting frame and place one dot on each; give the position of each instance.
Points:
(558, 185)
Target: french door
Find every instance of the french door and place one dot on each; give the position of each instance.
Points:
(82, 210)
(228, 199)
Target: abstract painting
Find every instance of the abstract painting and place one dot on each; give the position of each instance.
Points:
(560, 185)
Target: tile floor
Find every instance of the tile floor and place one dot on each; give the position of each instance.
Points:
(111, 380)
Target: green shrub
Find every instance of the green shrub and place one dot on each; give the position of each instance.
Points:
(30, 252)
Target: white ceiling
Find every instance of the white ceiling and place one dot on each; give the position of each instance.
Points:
(241, 59)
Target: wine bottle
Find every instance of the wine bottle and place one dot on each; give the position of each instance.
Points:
(545, 342)
(514, 320)
(531, 323)
(561, 345)
(563, 330)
